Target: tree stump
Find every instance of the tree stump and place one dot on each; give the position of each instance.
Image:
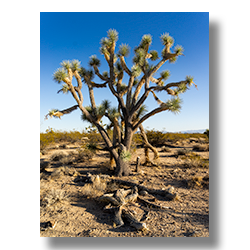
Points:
(137, 164)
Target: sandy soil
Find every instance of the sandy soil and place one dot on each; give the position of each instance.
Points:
(83, 216)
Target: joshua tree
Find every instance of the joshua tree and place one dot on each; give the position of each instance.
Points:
(130, 112)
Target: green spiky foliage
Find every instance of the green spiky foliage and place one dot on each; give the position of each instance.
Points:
(88, 73)
(139, 57)
(154, 55)
(94, 61)
(118, 68)
(66, 64)
(64, 89)
(136, 70)
(146, 41)
(106, 104)
(113, 113)
(75, 65)
(141, 112)
(123, 50)
(112, 35)
(106, 43)
(91, 146)
(166, 39)
(181, 89)
(165, 74)
(172, 60)
(60, 75)
(189, 79)
(125, 155)
(52, 113)
(179, 50)
(174, 105)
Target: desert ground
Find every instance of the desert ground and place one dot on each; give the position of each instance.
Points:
(71, 207)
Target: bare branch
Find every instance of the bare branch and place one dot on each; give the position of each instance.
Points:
(145, 117)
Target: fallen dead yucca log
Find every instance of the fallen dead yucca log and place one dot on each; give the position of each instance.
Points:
(118, 205)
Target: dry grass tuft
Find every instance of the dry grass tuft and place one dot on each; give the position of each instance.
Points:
(198, 182)
(53, 198)
(64, 170)
(57, 156)
(95, 189)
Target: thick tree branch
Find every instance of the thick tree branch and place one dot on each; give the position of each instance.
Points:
(99, 75)
(145, 117)
(124, 65)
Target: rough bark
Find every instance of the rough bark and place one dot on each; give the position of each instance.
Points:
(122, 168)
(165, 193)
(119, 200)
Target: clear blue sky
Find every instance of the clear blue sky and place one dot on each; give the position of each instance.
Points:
(67, 36)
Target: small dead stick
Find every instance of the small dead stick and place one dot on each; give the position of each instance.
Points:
(137, 164)
(152, 205)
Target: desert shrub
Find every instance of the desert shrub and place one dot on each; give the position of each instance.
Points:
(95, 189)
(52, 136)
(64, 170)
(182, 152)
(193, 160)
(198, 182)
(201, 148)
(207, 133)
(57, 156)
(160, 138)
(53, 198)
(165, 149)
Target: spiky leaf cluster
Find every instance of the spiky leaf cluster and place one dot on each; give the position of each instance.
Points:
(94, 61)
(189, 80)
(179, 50)
(60, 75)
(145, 41)
(173, 105)
(74, 65)
(86, 73)
(154, 55)
(65, 88)
(125, 155)
(181, 89)
(112, 35)
(107, 42)
(165, 74)
(139, 57)
(123, 50)
(136, 70)
(167, 39)
(142, 111)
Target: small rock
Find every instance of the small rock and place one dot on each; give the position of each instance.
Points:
(143, 193)
(170, 190)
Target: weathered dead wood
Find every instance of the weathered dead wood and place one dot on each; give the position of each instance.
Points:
(109, 199)
(118, 217)
(151, 205)
(163, 193)
(120, 198)
(137, 164)
(118, 204)
(133, 221)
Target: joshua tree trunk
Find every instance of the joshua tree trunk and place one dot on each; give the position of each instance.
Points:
(122, 168)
